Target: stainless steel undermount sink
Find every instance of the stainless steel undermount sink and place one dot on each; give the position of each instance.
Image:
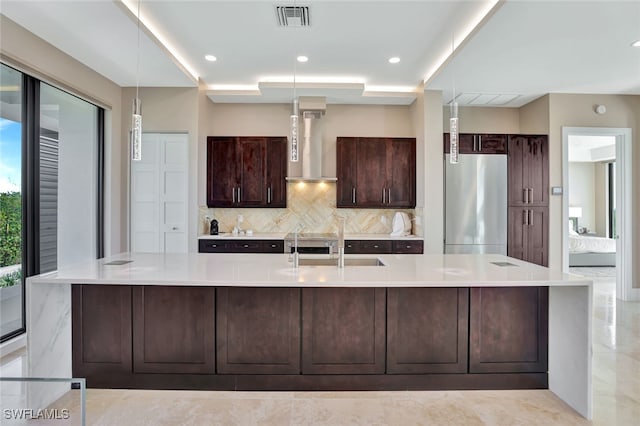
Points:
(317, 261)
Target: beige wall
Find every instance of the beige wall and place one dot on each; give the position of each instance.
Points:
(601, 193)
(484, 120)
(623, 111)
(534, 117)
(32, 55)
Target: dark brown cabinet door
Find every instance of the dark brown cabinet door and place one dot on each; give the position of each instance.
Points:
(427, 330)
(528, 234)
(508, 330)
(101, 329)
(401, 177)
(407, 247)
(343, 330)
(469, 143)
(346, 172)
(367, 246)
(173, 329)
(222, 158)
(376, 172)
(252, 172)
(528, 170)
(371, 168)
(246, 171)
(276, 172)
(258, 331)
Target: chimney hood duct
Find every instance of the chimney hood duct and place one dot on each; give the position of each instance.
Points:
(312, 109)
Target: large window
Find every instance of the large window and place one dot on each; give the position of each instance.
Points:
(11, 287)
(50, 186)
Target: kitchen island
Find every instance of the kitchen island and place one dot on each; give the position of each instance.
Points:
(254, 322)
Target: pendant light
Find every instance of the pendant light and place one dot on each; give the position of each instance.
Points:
(295, 113)
(136, 118)
(453, 120)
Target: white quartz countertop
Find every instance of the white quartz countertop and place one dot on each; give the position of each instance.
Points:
(281, 235)
(275, 270)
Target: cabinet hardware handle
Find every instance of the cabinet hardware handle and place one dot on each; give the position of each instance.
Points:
(474, 143)
(389, 196)
(479, 142)
(525, 217)
(530, 195)
(525, 193)
(238, 194)
(383, 196)
(233, 194)
(530, 217)
(376, 246)
(269, 195)
(353, 195)
(408, 247)
(273, 245)
(214, 245)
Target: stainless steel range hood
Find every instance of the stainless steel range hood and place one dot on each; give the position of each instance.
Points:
(312, 109)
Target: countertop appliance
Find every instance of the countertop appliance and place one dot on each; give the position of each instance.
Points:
(475, 192)
(401, 225)
(311, 242)
(213, 229)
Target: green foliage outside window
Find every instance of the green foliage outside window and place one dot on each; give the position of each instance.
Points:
(10, 228)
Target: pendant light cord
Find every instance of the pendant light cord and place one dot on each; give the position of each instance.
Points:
(138, 58)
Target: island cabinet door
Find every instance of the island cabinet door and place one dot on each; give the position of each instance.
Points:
(101, 329)
(258, 330)
(508, 330)
(427, 330)
(343, 330)
(173, 329)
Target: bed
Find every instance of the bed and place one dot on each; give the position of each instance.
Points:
(587, 250)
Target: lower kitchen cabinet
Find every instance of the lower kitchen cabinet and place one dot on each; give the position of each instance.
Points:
(206, 245)
(383, 246)
(258, 330)
(309, 338)
(343, 330)
(101, 329)
(427, 330)
(528, 234)
(508, 330)
(173, 329)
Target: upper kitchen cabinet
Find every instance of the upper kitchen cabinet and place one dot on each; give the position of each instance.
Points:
(528, 170)
(469, 143)
(376, 172)
(246, 171)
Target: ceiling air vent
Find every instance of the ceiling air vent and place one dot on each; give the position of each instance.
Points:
(293, 16)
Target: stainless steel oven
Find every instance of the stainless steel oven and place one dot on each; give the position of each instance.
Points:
(311, 243)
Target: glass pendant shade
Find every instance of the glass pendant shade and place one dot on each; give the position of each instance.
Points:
(294, 132)
(453, 134)
(136, 131)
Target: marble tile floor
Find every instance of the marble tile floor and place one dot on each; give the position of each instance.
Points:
(616, 381)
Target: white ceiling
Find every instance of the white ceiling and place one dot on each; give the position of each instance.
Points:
(590, 149)
(522, 50)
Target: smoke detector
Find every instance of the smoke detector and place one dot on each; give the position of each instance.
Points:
(293, 16)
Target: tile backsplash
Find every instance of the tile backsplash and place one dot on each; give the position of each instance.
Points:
(310, 204)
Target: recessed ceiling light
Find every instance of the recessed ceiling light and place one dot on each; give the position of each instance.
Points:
(210, 58)
(636, 43)
(394, 60)
(302, 58)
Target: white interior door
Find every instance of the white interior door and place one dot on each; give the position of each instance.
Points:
(159, 194)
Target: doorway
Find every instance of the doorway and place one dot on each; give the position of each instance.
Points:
(159, 194)
(608, 220)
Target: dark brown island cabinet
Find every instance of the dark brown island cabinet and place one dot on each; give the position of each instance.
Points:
(235, 245)
(376, 172)
(246, 171)
(478, 143)
(310, 338)
(528, 198)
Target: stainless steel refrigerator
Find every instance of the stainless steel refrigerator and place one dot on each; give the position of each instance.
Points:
(475, 192)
